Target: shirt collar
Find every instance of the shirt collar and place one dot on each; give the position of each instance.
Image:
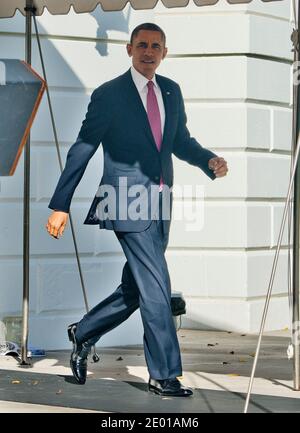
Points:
(139, 80)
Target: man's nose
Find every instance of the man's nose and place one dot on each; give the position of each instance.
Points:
(149, 51)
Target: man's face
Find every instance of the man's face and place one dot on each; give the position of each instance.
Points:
(147, 51)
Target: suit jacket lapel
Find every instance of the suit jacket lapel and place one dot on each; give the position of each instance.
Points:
(136, 104)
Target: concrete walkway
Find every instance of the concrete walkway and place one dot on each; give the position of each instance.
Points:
(217, 365)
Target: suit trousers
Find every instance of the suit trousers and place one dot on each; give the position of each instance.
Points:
(146, 285)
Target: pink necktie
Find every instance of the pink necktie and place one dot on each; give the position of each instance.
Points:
(154, 114)
(154, 118)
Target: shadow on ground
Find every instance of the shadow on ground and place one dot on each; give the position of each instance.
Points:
(125, 397)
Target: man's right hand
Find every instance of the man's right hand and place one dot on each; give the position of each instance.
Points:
(57, 222)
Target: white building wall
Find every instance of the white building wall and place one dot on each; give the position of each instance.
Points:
(233, 65)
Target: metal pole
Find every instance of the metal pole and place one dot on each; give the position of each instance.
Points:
(26, 206)
(296, 222)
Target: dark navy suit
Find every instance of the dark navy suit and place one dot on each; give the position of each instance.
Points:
(116, 117)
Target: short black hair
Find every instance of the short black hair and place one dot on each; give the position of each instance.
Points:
(148, 26)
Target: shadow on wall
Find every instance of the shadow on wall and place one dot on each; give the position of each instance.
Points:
(106, 21)
(58, 71)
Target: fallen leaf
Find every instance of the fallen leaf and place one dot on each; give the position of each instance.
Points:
(210, 345)
(242, 360)
(59, 391)
(15, 382)
(243, 335)
(34, 382)
(224, 362)
(119, 359)
(233, 374)
(252, 354)
(232, 352)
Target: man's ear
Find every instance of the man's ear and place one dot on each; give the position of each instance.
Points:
(165, 52)
(129, 49)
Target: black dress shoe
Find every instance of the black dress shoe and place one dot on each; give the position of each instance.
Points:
(79, 355)
(168, 388)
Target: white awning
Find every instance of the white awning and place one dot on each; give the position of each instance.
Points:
(62, 7)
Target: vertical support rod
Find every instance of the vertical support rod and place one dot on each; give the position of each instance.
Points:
(296, 224)
(26, 205)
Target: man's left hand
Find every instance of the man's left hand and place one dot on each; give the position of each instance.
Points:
(218, 165)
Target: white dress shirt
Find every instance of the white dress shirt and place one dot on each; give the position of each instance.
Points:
(141, 84)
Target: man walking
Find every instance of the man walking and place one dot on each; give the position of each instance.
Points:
(140, 120)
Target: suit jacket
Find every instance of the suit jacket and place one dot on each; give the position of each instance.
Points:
(117, 118)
